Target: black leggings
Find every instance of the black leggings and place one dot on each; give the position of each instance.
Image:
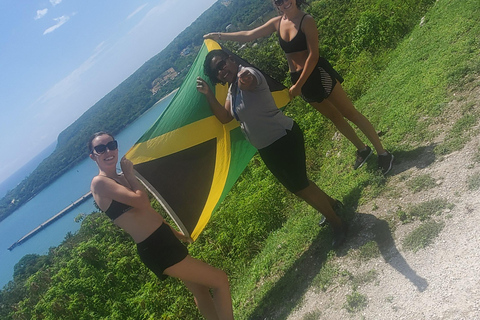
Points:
(285, 158)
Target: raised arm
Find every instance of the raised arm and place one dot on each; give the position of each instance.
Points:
(245, 36)
(222, 113)
(105, 189)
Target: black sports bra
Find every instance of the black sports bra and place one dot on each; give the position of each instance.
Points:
(116, 209)
(297, 43)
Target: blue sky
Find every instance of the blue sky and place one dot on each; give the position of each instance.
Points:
(59, 57)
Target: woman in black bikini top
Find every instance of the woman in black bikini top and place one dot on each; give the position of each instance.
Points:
(313, 77)
(124, 200)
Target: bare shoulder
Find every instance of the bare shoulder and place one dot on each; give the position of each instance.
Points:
(99, 183)
(309, 24)
(309, 20)
(274, 22)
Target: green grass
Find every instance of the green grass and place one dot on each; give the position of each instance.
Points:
(368, 251)
(473, 181)
(355, 302)
(476, 156)
(407, 97)
(422, 236)
(424, 210)
(313, 315)
(327, 274)
(459, 135)
(422, 182)
(364, 278)
(269, 242)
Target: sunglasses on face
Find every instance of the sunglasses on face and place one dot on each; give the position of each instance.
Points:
(219, 67)
(278, 2)
(101, 148)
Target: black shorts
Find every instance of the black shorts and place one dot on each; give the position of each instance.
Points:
(320, 83)
(161, 250)
(285, 158)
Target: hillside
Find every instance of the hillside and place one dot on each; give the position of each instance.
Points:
(133, 96)
(412, 252)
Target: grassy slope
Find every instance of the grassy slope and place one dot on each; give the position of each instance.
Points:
(410, 95)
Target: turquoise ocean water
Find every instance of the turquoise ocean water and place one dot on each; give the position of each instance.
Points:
(65, 190)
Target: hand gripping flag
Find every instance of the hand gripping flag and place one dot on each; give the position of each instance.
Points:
(188, 159)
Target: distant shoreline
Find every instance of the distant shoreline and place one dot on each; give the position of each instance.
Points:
(159, 101)
(9, 211)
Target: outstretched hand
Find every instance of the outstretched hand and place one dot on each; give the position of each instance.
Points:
(213, 35)
(202, 86)
(246, 80)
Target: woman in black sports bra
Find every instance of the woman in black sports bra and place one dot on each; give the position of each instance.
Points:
(124, 200)
(313, 77)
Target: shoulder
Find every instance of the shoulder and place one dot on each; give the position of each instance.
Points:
(99, 183)
(274, 22)
(257, 74)
(309, 26)
(308, 20)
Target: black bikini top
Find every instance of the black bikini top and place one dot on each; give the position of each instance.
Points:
(116, 209)
(297, 43)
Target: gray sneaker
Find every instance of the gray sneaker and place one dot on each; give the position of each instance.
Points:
(338, 206)
(362, 157)
(385, 162)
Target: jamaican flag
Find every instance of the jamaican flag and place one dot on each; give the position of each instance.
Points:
(188, 159)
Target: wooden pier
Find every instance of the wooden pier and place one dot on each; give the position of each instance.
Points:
(51, 220)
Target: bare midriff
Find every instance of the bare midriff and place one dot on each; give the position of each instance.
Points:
(139, 223)
(296, 60)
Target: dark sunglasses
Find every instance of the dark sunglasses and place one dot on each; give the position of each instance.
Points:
(219, 67)
(101, 148)
(278, 2)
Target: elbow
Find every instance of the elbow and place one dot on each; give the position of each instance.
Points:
(225, 121)
(143, 200)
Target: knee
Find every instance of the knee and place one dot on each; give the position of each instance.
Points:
(353, 115)
(221, 282)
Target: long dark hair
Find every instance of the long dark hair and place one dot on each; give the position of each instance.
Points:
(93, 136)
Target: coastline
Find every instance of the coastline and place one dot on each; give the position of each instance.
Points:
(8, 211)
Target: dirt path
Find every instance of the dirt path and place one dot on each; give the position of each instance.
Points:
(441, 281)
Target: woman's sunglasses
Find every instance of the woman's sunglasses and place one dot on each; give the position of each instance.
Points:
(278, 2)
(101, 148)
(221, 65)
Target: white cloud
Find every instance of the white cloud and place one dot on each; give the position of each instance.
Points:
(41, 13)
(137, 11)
(55, 2)
(60, 21)
(68, 84)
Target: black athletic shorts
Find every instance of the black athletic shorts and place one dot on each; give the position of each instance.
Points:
(161, 250)
(320, 83)
(285, 158)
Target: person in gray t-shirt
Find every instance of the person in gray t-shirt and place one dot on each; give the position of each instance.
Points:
(277, 137)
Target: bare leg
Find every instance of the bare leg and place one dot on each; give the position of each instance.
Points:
(322, 202)
(339, 99)
(333, 114)
(199, 277)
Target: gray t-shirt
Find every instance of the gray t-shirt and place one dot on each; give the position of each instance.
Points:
(261, 121)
